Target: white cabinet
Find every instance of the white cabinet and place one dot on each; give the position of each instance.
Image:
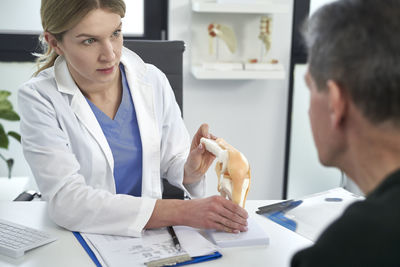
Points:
(244, 19)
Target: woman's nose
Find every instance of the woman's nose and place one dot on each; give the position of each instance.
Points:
(107, 52)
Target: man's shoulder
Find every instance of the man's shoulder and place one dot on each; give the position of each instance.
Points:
(366, 234)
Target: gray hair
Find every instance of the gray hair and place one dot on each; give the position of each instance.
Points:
(357, 44)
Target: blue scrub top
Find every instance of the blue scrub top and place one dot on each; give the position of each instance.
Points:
(123, 137)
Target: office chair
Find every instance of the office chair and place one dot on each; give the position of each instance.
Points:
(167, 56)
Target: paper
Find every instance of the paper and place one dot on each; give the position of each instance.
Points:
(253, 237)
(194, 243)
(309, 216)
(118, 251)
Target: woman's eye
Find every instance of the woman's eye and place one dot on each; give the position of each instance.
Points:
(89, 41)
(116, 33)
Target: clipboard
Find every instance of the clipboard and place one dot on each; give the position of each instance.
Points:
(87, 248)
(91, 254)
(167, 262)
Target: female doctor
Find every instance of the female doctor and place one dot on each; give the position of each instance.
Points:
(100, 128)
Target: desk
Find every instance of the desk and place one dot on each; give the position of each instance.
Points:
(66, 251)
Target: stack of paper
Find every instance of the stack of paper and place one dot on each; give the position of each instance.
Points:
(253, 237)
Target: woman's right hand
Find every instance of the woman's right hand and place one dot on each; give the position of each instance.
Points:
(217, 213)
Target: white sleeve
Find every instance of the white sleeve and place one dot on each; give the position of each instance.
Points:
(175, 144)
(72, 203)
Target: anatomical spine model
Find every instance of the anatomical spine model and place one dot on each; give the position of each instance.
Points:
(265, 31)
(232, 169)
(224, 33)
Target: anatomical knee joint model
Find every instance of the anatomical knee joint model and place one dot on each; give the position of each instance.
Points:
(232, 169)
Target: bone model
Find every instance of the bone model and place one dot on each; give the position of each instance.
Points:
(265, 31)
(232, 169)
(224, 33)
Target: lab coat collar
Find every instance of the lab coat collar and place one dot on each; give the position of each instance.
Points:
(143, 98)
(79, 105)
(66, 84)
(133, 62)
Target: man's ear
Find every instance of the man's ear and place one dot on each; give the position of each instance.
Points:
(338, 103)
(53, 42)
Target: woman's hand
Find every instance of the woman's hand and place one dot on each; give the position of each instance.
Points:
(213, 212)
(199, 159)
(217, 213)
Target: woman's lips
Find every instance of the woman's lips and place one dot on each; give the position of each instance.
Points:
(106, 70)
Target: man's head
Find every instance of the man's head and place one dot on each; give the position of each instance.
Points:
(354, 56)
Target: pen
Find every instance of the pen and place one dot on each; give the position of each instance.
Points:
(174, 238)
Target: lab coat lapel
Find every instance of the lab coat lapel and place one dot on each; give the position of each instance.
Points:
(85, 114)
(142, 96)
(81, 108)
(143, 99)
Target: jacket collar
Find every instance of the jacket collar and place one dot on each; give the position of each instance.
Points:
(135, 69)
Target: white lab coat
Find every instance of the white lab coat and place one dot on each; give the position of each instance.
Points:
(73, 163)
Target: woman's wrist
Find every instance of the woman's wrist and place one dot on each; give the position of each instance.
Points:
(168, 212)
(191, 177)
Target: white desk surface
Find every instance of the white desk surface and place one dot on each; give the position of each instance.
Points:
(67, 251)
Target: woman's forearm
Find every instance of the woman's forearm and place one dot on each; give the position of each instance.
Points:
(213, 212)
(168, 212)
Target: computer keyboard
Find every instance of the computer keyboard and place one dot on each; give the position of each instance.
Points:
(15, 238)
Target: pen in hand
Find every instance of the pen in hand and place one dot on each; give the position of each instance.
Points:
(174, 238)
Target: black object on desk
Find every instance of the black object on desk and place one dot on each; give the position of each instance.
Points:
(27, 196)
(174, 238)
(274, 207)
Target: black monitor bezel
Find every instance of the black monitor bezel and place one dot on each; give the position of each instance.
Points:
(301, 10)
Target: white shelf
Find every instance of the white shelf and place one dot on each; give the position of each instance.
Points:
(256, 8)
(201, 73)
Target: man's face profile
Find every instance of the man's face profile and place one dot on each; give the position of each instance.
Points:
(319, 119)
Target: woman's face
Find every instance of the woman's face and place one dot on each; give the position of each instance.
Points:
(92, 49)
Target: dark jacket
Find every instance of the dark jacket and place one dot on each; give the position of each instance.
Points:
(367, 234)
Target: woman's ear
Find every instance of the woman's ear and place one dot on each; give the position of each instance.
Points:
(53, 42)
(337, 103)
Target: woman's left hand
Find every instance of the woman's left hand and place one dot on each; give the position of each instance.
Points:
(199, 159)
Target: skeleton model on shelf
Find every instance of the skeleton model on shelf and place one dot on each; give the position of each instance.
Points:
(265, 34)
(265, 37)
(223, 32)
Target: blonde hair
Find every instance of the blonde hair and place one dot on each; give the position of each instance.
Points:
(58, 16)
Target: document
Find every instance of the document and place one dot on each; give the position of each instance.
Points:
(255, 236)
(119, 251)
(309, 216)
